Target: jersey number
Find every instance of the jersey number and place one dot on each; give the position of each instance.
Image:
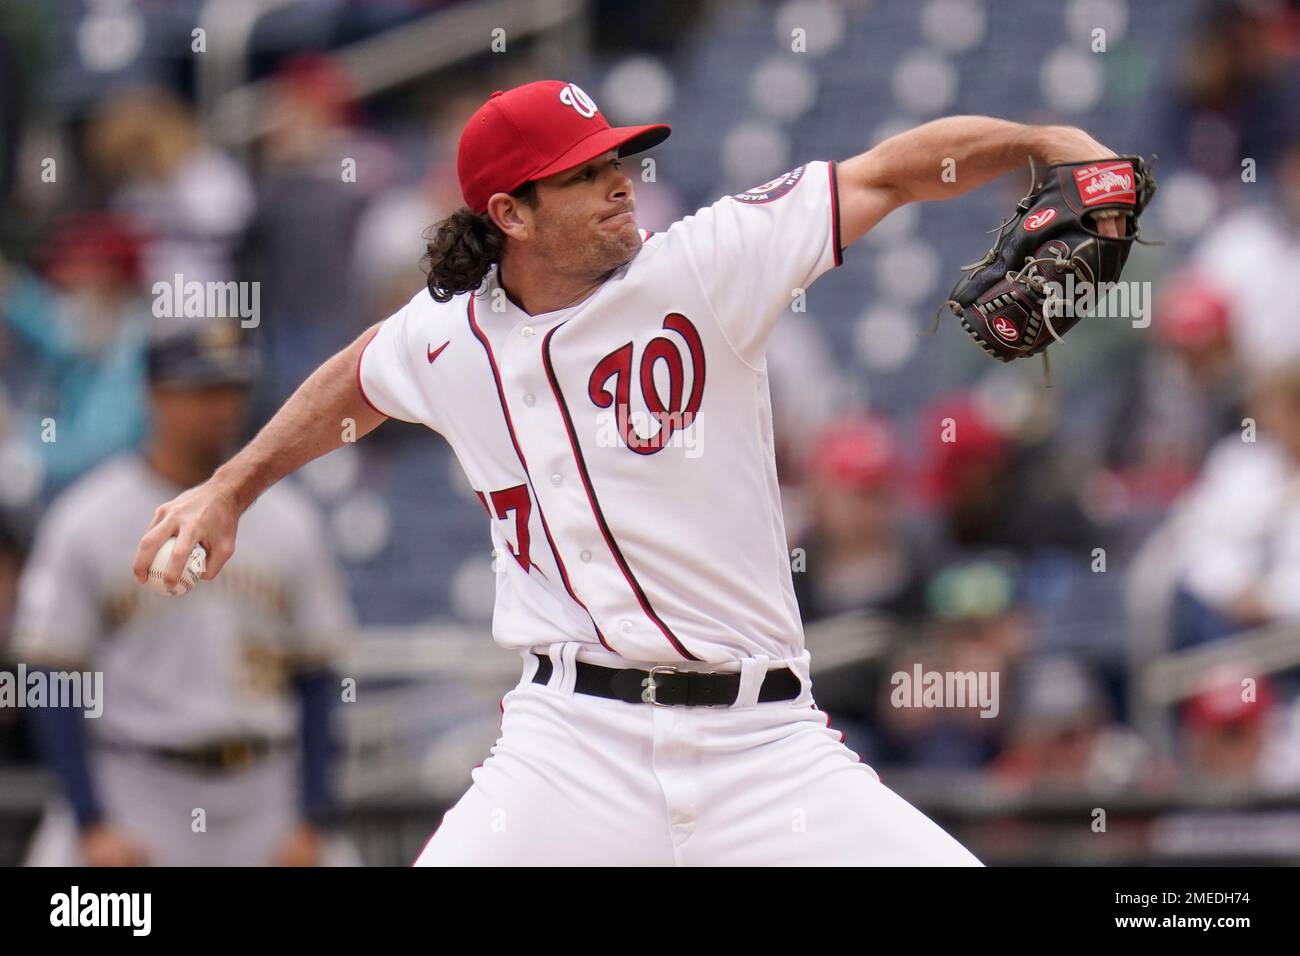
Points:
(672, 414)
(514, 499)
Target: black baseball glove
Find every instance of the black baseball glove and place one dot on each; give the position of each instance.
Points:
(1025, 292)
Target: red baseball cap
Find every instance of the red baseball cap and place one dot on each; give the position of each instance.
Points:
(318, 81)
(1192, 313)
(976, 442)
(856, 452)
(93, 240)
(535, 131)
(1220, 702)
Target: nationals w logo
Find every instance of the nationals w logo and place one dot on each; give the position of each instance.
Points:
(573, 95)
(670, 415)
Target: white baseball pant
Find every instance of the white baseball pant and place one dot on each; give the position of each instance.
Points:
(576, 780)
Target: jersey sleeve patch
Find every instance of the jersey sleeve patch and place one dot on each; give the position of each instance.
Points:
(772, 189)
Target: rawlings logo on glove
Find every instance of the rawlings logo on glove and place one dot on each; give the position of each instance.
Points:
(1110, 183)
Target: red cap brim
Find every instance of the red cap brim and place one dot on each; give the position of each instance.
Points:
(626, 139)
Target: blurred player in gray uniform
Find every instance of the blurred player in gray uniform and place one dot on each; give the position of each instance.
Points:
(213, 744)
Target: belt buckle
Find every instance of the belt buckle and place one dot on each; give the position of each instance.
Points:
(648, 684)
(236, 754)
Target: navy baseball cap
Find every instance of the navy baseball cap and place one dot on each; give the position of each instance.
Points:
(207, 352)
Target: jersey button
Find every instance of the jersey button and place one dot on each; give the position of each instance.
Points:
(526, 331)
(626, 626)
(556, 480)
(586, 556)
(529, 399)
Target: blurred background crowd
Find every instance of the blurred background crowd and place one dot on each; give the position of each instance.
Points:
(1123, 547)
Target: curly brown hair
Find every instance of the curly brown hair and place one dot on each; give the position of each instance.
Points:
(460, 249)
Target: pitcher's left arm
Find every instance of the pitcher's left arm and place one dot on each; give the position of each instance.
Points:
(946, 158)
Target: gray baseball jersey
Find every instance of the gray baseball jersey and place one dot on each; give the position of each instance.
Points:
(181, 671)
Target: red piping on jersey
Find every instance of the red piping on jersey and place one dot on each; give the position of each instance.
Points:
(595, 505)
(828, 724)
(360, 388)
(827, 715)
(510, 427)
(835, 213)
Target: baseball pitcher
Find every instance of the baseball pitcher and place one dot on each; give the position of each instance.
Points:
(604, 390)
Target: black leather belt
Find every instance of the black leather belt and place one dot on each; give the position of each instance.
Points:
(667, 686)
(218, 756)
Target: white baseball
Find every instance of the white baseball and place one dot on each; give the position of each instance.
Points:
(189, 576)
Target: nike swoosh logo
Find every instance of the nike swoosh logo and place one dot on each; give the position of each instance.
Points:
(434, 353)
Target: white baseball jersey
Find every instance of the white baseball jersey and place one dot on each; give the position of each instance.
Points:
(180, 672)
(623, 447)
